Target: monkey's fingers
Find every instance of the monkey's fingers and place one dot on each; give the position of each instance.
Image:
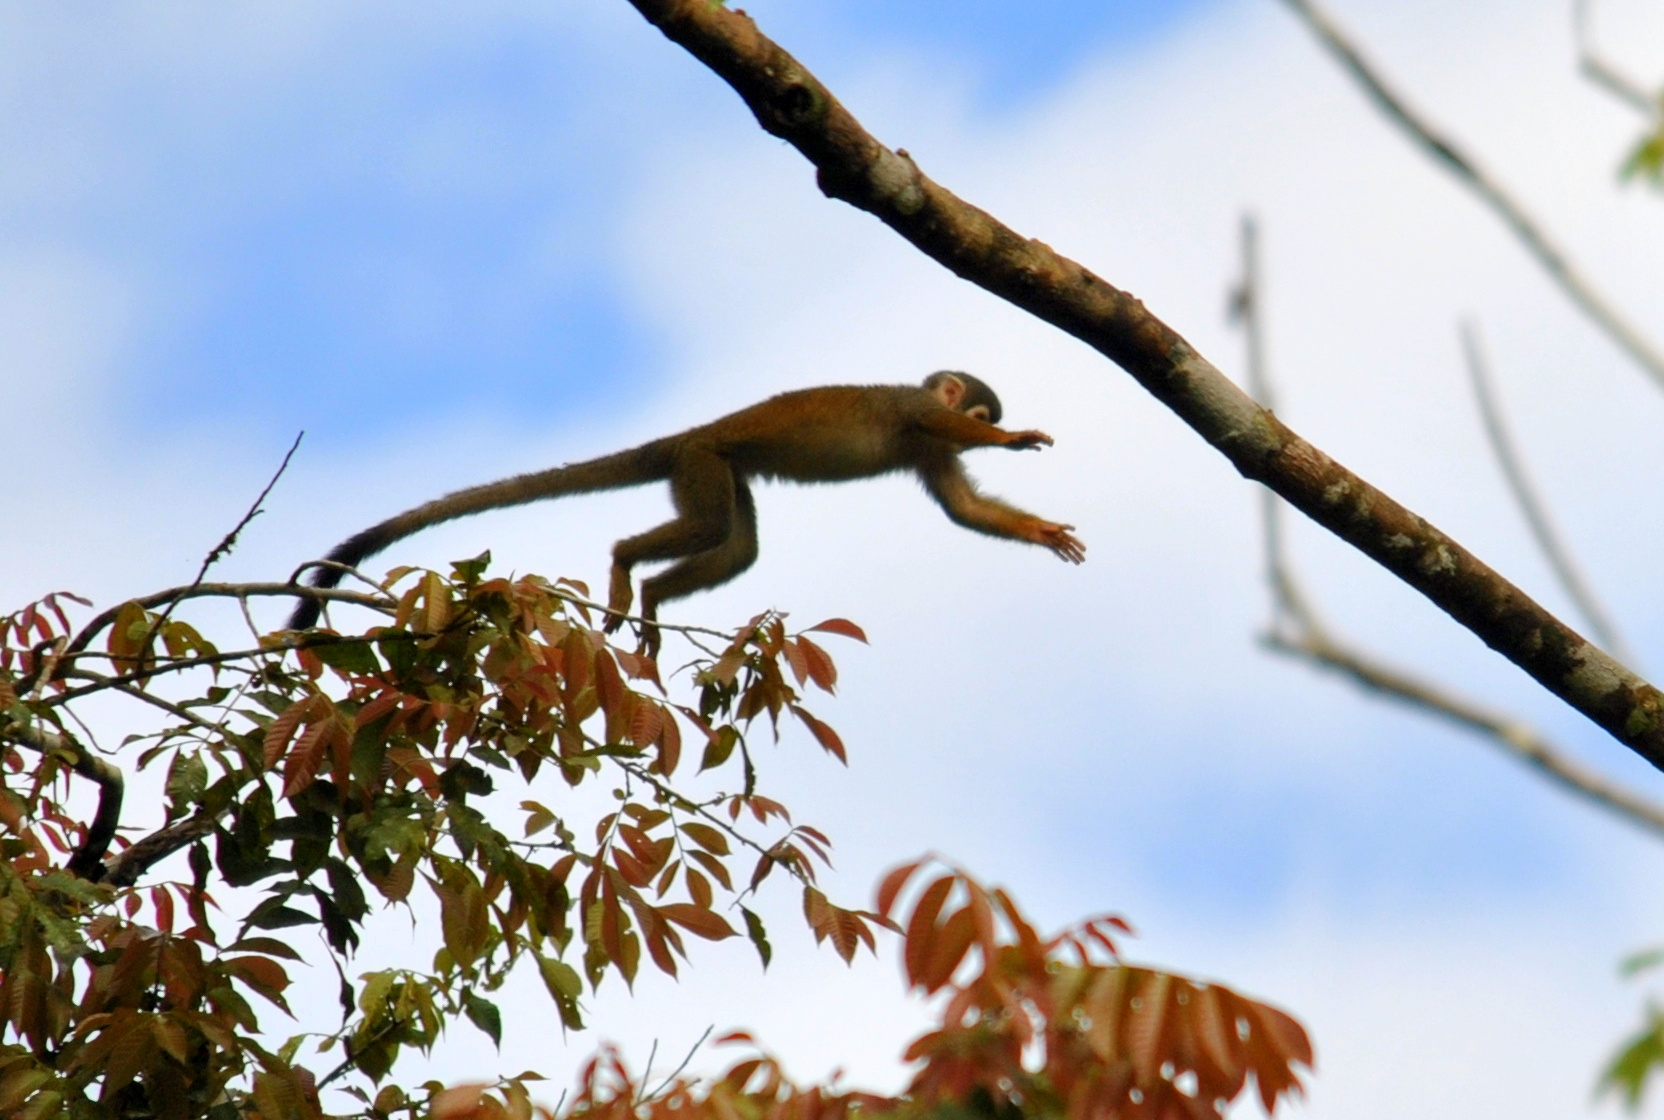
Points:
(1061, 541)
(1029, 441)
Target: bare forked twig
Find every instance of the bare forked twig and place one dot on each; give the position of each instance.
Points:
(1530, 232)
(1536, 514)
(227, 543)
(1298, 631)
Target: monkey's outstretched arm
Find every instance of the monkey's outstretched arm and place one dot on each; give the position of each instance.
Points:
(968, 431)
(965, 505)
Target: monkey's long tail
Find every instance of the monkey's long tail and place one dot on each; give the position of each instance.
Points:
(650, 462)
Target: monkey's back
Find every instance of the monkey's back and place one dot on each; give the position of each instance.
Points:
(825, 434)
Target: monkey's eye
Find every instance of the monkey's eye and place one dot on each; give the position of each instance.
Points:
(978, 412)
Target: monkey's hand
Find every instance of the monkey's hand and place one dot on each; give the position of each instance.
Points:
(1059, 539)
(1027, 441)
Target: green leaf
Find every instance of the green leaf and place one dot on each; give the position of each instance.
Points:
(399, 651)
(565, 986)
(1628, 1073)
(759, 936)
(1637, 963)
(484, 1015)
(272, 914)
(468, 572)
(348, 657)
(343, 885)
(720, 748)
(463, 778)
(187, 781)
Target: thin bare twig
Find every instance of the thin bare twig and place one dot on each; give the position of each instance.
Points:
(1246, 310)
(673, 1074)
(227, 543)
(1602, 72)
(82, 639)
(1553, 259)
(1517, 739)
(1297, 630)
(144, 697)
(309, 641)
(1536, 515)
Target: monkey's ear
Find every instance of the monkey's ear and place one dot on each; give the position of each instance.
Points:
(949, 389)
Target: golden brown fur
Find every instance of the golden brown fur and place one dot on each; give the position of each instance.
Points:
(830, 434)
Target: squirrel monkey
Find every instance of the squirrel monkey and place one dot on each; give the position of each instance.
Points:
(828, 434)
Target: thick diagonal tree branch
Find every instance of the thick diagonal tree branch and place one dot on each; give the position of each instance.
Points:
(853, 166)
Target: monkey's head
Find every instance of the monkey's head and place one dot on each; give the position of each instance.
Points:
(964, 393)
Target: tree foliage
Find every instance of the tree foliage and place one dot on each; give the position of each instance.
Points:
(312, 779)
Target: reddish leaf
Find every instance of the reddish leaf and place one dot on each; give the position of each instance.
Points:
(920, 944)
(384, 702)
(820, 667)
(301, 767)
(1105, 1004)
(823, 734)
(163, 902)
(847, 931)
(699, 888)
(609, 686)
(1146, 1025)
(458, 1102)
(634, 871)
(841, 626)
(797, 660)
(670, 746)
(711, 839)
(282, 729)
(1286, 1034)
(1214, 1023)
(646, 724)
(612, 927)
(765, 864)
(133, 1048)
(952, 941)
(698, 920)
(717, 869)
(262, 974)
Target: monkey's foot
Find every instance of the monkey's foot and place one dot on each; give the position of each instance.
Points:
(619, 596)
(648, 646)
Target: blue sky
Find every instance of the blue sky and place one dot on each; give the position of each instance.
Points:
(452, 244)
(408, 225)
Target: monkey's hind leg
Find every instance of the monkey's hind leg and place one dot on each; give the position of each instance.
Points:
(702, 486)
(711, 568)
